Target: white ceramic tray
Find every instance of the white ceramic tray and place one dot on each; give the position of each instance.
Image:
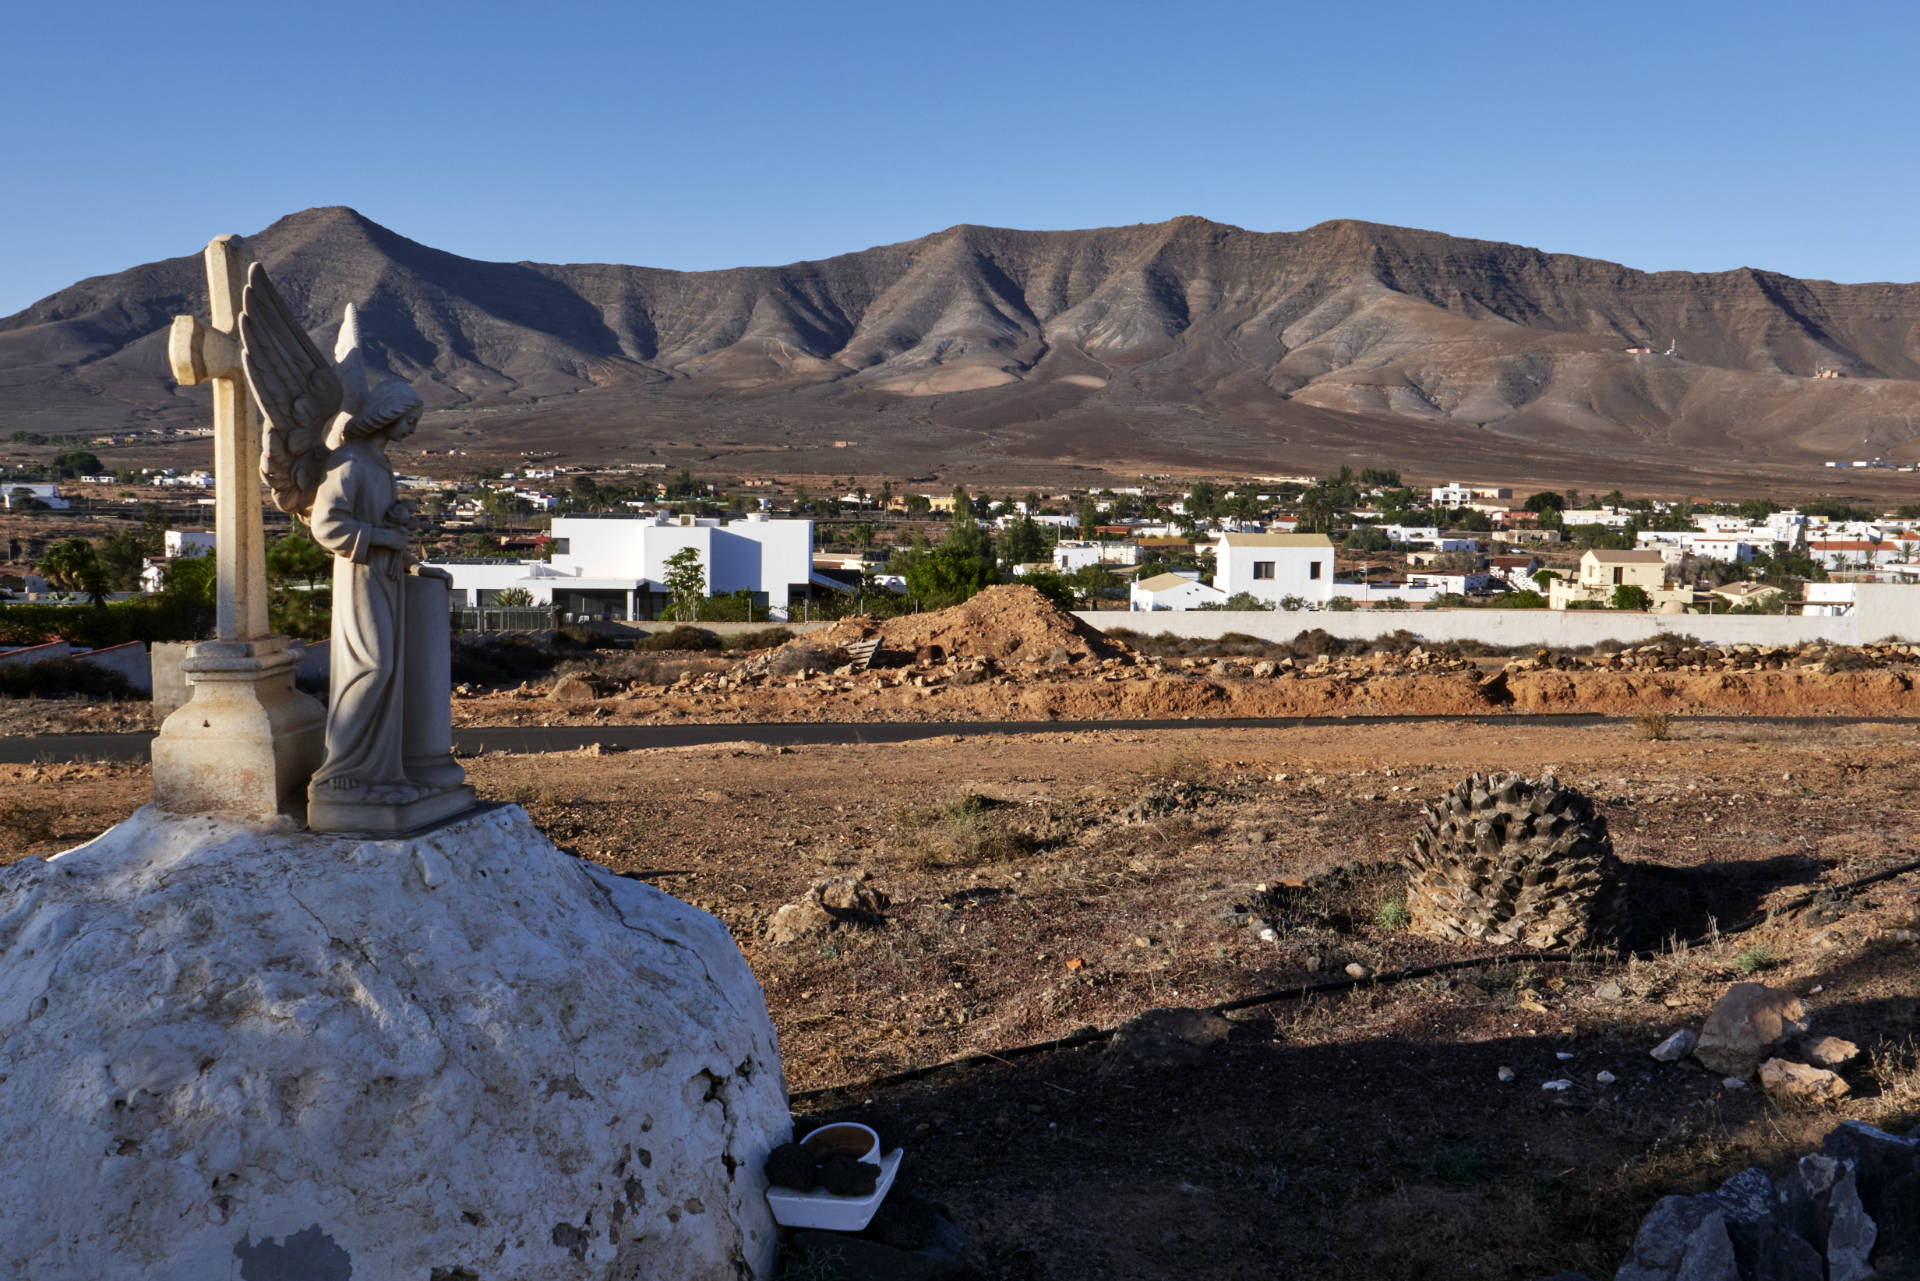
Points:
(822, 1209)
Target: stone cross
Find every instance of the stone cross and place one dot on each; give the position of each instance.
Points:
(246, 741)
(211, 353)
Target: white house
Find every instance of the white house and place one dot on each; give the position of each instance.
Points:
(1172, 591)
(44, 490)
(615, 565)
(179, 543)
(1072, 554)
(1610, 517)
(1274, 566)
(189, 542)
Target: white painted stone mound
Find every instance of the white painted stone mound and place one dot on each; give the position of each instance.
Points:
(468, 1056)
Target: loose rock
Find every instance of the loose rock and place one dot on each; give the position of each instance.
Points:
(1744, 1024)
(1677, 1046)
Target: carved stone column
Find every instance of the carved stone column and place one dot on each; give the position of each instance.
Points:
(428, 736)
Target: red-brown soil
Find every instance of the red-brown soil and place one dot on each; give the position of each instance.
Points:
(1042, 883)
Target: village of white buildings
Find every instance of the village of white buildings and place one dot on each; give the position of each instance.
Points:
(602, 544)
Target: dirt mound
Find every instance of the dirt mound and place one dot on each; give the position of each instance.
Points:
(1009, 624)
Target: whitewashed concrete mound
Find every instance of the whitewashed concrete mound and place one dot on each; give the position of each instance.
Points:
(466, 1056)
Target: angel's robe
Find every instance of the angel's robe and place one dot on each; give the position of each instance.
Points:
(364, 729)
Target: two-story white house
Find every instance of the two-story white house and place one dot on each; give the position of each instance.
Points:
(615, 565)
(1274, 566)
(1603, 571)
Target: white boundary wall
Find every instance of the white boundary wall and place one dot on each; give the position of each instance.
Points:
(1882, 611)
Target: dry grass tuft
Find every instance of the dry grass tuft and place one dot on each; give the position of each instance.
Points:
(964, 830)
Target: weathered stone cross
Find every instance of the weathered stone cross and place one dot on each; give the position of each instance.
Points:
(246, 741)
(201, 353)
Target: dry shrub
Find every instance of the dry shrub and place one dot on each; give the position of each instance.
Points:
(1655, 727)
(791, 660)
(1178, 767)
(679, 638)
(765, 638)
(965, 829)
(1895, 1068)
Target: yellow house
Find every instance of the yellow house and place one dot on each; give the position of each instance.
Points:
(1602, 571)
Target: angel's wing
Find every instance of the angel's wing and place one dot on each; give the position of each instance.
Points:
(297, 389)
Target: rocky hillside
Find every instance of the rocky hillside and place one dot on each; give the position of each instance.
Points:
(1071, 344)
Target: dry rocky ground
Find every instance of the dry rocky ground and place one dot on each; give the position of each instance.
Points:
(1042, 883)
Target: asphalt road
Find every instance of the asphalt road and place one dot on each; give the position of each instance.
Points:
(519, 740)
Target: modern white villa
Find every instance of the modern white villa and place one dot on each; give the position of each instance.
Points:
(1273, 567)
(614, 565)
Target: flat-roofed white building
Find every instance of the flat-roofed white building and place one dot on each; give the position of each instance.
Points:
(615, 565)
(1272, 567)
(1172, 591)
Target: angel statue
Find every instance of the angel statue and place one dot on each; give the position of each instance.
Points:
(389, 760)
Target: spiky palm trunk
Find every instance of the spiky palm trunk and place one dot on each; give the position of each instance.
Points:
(1505, 859)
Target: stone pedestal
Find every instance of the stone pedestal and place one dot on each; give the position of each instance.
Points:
(325, 814)
(246, 741)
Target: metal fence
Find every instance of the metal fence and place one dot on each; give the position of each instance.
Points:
(491, 619)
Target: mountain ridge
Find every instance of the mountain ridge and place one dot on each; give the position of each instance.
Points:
(1030, 336)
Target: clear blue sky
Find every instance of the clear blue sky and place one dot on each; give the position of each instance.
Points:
(1693, 135)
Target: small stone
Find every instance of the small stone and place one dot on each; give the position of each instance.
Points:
(1744, 1024)
(1605, 1078)
(1268, 935)
(1560, 1086)
(1830, 1051)
(1355, 970)
(1505, 1074)
(1676, 1047)
(1609, 991)
(1562, 1055)
(1784, 1078)
(1734, 1082)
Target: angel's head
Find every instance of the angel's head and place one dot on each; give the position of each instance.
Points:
(392, 410)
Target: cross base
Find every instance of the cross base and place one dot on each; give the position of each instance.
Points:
(325, 814)
(245, 741)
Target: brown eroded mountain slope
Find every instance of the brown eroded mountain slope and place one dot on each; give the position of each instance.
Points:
(1186, 343)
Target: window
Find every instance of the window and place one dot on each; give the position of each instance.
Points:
(1263, 569)
(1313, 570)
(1617, 575)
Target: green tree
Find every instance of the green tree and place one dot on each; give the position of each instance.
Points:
(1520, 600)
(1089, 516)
(1051, 585)
(190, 580)
(964, 535)
(78, 462)
(297, 556)
(1023, 542)
(1091, 582)
(1628, 596)
(516, 597)
(946, 576)
(686, 582)
(73, 565)
(1544, 501)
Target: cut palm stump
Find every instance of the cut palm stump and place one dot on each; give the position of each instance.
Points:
(1506, 859)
